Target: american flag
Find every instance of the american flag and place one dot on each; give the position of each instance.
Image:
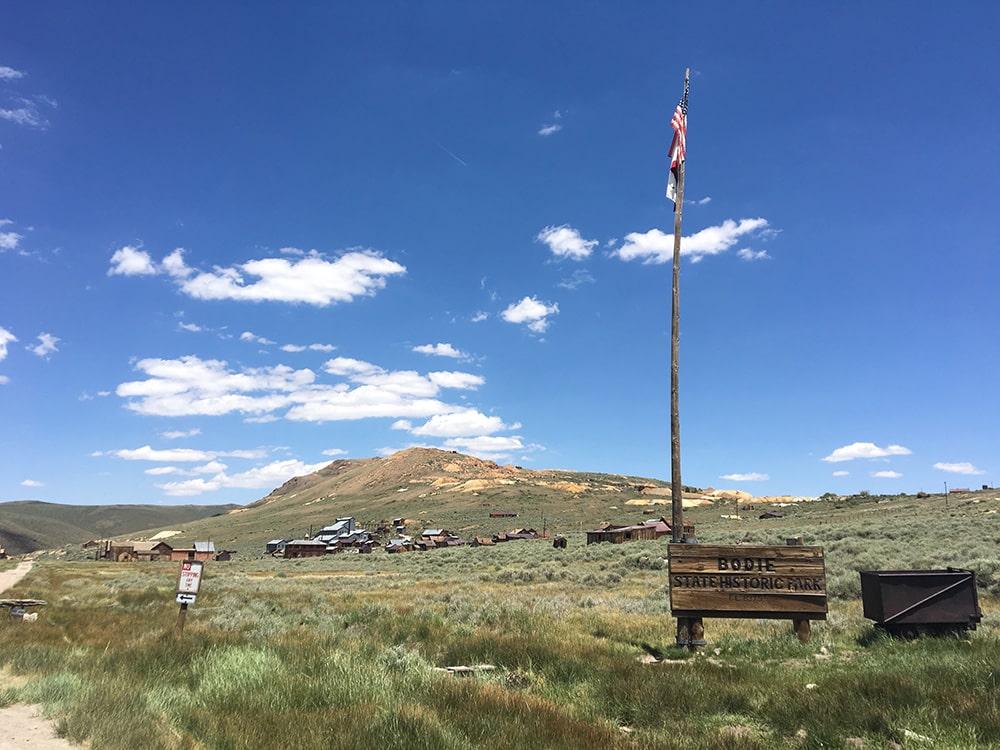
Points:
(678, 147)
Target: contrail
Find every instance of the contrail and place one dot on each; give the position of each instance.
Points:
(452, 155)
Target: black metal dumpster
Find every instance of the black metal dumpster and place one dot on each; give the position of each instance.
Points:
(910, 603)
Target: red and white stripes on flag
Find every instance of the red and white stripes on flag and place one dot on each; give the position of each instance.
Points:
(678, 147)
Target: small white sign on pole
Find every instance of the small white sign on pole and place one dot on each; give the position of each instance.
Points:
(186, 598)
(189, 580)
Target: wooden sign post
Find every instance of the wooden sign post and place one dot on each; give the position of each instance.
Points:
(188, 585)
(747, 581)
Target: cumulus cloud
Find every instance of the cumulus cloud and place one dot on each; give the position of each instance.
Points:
(440, 350)
(565, 242)
(191, 386)
(459, 380)
(310, 279)
(656, 247)
(887, 474)
(751, 477)
(8, 240)
(532, 312)
(490, 447)
(9, 74)
(960, 468)
(310, 347)
(255, 339)
(271, 475)
(131, 261)
(32, 483)
(841, 473)
(470, 423)
(6, 337)
(865, 450)
(45, 346)
(334, 452)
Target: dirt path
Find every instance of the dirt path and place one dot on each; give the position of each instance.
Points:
(23, 725)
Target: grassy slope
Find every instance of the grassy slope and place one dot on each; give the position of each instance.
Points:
(28, 525)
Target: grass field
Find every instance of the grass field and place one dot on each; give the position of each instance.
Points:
(344, 651)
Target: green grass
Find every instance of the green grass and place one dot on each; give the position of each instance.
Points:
(341, 651)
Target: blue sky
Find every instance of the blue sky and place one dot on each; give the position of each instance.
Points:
(240, 241)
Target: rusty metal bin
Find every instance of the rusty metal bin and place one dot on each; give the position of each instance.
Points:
(911, 603)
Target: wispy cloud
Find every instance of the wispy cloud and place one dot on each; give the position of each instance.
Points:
(6, 337)
(565, 242)
(32, 483)
(531, 312)
(178, 434)
(45, 346)
(960, 468)
(440, 350)
(9, 240)
(9, 74)
(865, 450)
(751, 477)
(655, 247)
(887, 475)
(553, 127)
(751, 255)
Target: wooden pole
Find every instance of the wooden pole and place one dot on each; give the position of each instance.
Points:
(690, 631)
(676, 499)
(181, 617)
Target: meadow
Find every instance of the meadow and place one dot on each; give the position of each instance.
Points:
(347, 651)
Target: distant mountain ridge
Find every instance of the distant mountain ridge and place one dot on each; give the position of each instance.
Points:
(30, 525)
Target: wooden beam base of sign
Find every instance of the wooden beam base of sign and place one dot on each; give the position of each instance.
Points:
(181, 616)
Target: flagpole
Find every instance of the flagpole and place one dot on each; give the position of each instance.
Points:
(676, 497)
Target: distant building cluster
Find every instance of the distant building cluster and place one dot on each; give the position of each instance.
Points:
(634, 532)
(149, 551)
(345, 536)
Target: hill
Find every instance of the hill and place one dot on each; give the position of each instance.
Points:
(29, 525)
(430, 487)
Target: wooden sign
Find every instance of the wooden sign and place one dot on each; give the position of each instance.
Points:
(747, 581)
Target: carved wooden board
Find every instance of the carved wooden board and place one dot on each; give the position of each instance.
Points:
(747, 581)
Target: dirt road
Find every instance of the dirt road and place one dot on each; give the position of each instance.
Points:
(21, 725)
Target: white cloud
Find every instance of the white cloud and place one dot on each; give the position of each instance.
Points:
(6, 337)
(887, 474)
(351, 367)
(269, 476)
(191, 386)
(841, 473)
(469, 423)
(45, 346)
(751, 477)
(295, 348)
(157, 471)
(749, 255)
(4, 380)
(700, 201)
(960, 468)
(656, 247)
(479, 317)
(439, 349)
(402, 424)
(531, 312)
(9, 240)
(8, 74)
(576, 279)
(865, 450)
(489, 447)
(29, 112)
(192, 327)
(334, 452)
(174, 455)
(550, 129)
(254, 338)
(130, 261)
(309, 280)
(565, 242)
(177, 434)
(32, 483)
(460, 380)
